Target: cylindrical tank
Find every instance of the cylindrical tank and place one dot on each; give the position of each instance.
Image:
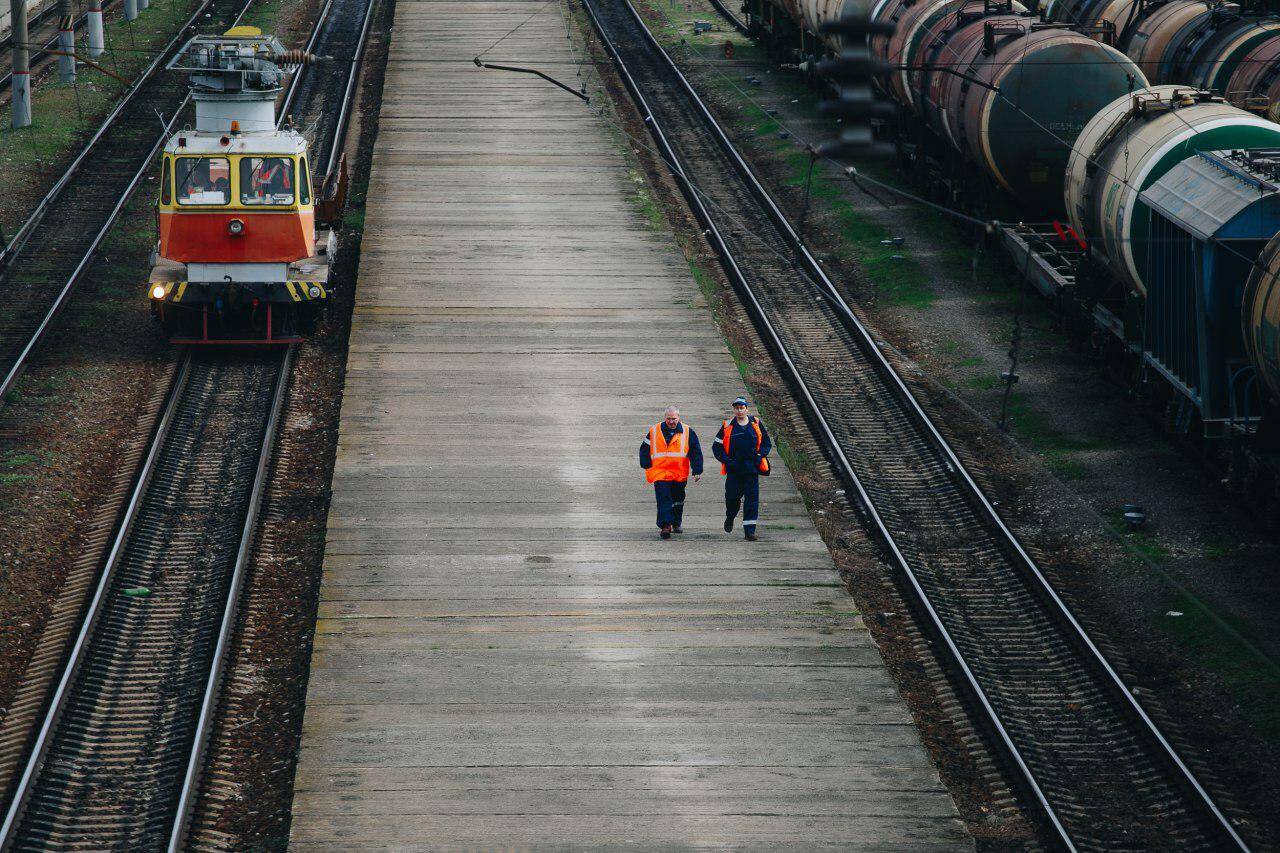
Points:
(922, 23)
(792, 10)
(1258, 74)
(815, 13)
(1228, 42)
(1128, 146)
(1154, 40)
(1260, 316)
(940, 92)
(1026, 94)
(886, 12)
(1094, 13)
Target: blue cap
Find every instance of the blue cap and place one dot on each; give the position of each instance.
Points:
(741, 401)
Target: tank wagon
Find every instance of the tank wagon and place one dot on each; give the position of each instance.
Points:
(238, 259)
(1128, 146)
(1201, 43)
(1260, 317)
(1059, 109)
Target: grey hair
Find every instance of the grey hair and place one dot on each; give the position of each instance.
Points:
(669, 409)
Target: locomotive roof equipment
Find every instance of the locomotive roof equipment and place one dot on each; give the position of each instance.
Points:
(238, 244)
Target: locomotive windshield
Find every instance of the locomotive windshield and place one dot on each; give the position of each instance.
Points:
(266, 181)
(203, 180)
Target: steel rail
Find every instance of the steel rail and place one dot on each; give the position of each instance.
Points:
(76, 658)
(296, 80)
(24, 231)
(353, 76)
(48, 11)
(733, 19)
(208, 704)
(189, 788)
(39, 53)
(828, 289)
(59, 302)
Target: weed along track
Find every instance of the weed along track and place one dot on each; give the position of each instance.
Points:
(109, 766)
(56, 245)
(1103, 775)
(118, 759)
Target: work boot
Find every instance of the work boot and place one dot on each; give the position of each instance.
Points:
(666, 531)
(728, 524)
(749, 533)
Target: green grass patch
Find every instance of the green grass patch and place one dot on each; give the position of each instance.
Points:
(263, 14)
(644, 201)
(63, 114)
(1141, 541)
(1254, 684)
(15, 467)
(983, 383)
(1062, 453)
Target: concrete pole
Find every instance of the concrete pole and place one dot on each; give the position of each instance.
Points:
(131, 10)
(93, 29)
(66, 42)
(21, 65)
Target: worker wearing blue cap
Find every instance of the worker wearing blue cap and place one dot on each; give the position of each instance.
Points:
(742, 447)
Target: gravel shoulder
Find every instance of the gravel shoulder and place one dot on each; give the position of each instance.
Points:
(1186, 606)
(70, 431)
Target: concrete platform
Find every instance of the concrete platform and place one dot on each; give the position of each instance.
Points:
(507, 655)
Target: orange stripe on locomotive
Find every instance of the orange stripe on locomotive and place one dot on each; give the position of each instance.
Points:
(267, 237)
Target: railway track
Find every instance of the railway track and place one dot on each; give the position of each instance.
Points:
(108, 766)
(1077, 741)
(55, 246)
(118, 760)
(736, 22)
(42, 31)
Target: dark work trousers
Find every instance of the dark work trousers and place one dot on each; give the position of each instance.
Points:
(670, 495)
(742, 489)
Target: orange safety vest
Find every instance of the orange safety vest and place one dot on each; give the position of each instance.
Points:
(670, 461)
(728, 431)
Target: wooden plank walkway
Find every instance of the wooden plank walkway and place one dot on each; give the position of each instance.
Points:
(507, 655)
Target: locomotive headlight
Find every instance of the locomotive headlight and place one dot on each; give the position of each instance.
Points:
(157, 292)
(313, 292)
(235, 227)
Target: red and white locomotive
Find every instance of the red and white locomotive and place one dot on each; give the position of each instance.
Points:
(239, 259)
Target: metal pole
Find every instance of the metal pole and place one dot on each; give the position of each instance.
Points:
(66, 42)
(21, 65)
(130, 10)
(93, 28)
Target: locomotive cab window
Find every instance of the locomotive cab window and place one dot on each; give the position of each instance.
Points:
(266, 181)
(304, 182)
(166, 187)
(203, 180)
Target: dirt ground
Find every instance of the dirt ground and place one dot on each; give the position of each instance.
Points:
(1186, 605)
(248, 790)
(68, 430)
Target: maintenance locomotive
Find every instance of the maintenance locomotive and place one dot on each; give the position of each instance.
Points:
(238, 259)
(1150, 125)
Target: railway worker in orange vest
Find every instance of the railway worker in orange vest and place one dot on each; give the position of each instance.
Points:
(742, 447)
(669, 455)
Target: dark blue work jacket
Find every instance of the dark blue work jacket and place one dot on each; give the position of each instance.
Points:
(742, 458)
